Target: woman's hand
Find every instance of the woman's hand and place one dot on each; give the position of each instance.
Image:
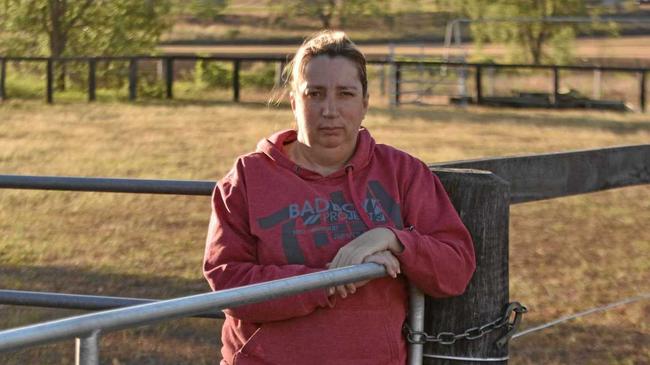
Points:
(364, 248)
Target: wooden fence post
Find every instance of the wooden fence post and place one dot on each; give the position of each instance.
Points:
(235, 80)
(92, 79)
(169, 76)
(133, 79)
(279, 77)
(398, 82)
(482, 199)
(642, 91)
(49, 70)
(556, 86)
(3, 77)
(479, 86)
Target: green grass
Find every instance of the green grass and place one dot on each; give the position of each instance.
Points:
(566, 254)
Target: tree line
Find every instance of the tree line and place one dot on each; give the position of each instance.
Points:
(124, 27)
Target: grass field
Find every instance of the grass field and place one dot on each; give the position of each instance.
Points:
(567, 254)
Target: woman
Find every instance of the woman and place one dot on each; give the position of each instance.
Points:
(325, 195)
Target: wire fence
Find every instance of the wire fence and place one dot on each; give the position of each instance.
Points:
(410, 79)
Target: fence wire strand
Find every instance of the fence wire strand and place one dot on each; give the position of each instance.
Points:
(644, 296)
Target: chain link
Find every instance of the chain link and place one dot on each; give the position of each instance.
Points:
(449, 338)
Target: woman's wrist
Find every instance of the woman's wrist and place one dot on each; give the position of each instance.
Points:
(394, 245)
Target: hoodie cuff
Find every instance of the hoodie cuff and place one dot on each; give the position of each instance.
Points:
(407, 240)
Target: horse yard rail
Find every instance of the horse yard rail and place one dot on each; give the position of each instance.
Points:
(481, 191)
(398, 64)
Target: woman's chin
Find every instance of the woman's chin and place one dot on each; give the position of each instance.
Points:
(332, 142)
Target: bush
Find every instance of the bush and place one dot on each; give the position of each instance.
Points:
(260, 76)
(213, 74)
(151, 89)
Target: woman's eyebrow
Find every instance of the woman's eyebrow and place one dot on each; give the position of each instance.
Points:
(323, 87)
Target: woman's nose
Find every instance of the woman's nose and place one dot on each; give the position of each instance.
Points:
(330, 109)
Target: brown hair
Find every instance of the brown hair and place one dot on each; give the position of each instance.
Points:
(332, 44)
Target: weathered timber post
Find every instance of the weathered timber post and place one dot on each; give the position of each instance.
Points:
(92, 79)
(642, 89)
(235, 80)
(169, 76)
(482, 199)
(49, 70)
(556, 86)
(279, 77)
(382, 80)
(3, 77)
(133, 79)
(398, 83)
(479, 86)
(597, 84)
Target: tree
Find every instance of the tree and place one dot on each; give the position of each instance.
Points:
(528, 35)
(329, 12)
(82, 27)
(209, 10)
(59, 28)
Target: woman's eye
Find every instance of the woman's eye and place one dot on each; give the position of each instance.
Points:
(313, 93)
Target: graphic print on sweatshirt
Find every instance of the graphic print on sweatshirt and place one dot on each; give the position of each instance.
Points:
(333, 219)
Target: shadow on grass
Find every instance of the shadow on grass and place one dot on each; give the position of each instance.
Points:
(532, 118)
(179, 341)
(72, 280)
(577, 343)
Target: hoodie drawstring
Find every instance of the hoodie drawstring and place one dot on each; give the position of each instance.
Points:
(355, 199)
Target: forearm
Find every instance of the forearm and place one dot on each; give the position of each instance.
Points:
(440, 267)
(234, 275)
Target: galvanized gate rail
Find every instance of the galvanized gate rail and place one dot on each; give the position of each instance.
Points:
(88, 328)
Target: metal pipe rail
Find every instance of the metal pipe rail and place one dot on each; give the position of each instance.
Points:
(113, 185)
(92, 325)
(532, 177)
(78, 301)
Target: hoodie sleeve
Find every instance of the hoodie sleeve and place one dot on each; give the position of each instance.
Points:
(438, 254)
(230, 258)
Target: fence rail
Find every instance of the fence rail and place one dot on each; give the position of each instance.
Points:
(78, 301)
(531, 177)
(237, 59)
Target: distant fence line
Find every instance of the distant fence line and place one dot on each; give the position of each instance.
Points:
(397, 64)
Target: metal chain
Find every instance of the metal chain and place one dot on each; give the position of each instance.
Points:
(449, 338)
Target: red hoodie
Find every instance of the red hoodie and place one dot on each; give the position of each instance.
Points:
(272, 219)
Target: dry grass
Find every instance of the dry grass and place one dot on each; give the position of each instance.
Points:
(567, 254)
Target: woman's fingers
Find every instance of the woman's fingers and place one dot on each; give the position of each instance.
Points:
(343, 293)
(368, 243)
(386, 258)
(363, 249)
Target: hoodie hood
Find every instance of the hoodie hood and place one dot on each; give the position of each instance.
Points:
(273, 147)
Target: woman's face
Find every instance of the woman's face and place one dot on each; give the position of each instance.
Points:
(329, 104)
